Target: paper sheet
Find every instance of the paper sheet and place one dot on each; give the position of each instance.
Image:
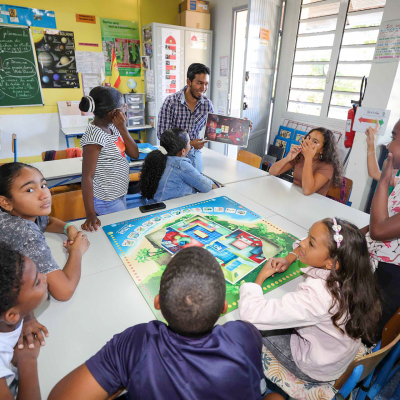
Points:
(89, 62)
(223, 66)
(388, 43)
(150, 88)
(222, 102)
(368, 117)
(90, 81)
(152, 108)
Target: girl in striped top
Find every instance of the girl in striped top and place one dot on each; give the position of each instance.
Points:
(105, 170)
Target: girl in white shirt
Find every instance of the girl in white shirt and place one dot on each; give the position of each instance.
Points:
(322, 323)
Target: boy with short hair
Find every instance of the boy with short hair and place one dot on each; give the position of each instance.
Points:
(188, 359)
(22, 289)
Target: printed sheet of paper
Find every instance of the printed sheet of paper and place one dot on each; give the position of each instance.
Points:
(90, 81)
(366, 117)
(89, 62)
(388, 43)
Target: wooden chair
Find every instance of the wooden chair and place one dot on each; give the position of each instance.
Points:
(249, 158)
(68, 206)
(343, 192)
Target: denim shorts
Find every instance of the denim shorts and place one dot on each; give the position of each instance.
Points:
(107, 207)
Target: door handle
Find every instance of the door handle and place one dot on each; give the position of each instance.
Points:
(245, 106)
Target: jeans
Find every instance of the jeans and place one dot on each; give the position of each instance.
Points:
(107, 207)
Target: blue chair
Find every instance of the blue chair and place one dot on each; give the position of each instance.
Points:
(386, 372)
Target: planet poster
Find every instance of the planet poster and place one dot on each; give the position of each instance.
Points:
(55, 52)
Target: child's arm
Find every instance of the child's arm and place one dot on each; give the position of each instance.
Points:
(28, 383)
(55, 225)
(78, 385)
(131, 147)
(372, 165)
(382, 227)
(285, 164)
(90, 155)
(62, 283)
(311, 182)
(5, 393)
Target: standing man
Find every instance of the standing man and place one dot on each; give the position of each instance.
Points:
(188, 109)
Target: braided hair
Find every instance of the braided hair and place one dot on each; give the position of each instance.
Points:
(173, 140)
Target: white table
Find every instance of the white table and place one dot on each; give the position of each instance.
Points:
(288, 200)
(68, 170)
(80, 130)
(224, 170)
(107, 300)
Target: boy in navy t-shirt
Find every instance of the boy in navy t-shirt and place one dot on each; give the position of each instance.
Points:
(188, 359)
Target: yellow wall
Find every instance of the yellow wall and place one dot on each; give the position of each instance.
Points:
(142, 11)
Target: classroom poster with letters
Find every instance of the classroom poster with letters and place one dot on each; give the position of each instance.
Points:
(27, 16)
(123, 36)
(387, 47)
(170, 64)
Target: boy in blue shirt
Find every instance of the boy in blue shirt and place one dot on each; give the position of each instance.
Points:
(188, 359)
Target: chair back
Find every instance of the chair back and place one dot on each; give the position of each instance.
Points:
(249, 158)
(368, 362)
(341, 193)
(59, 155)
(391, 329)
(68, 206)
(276, 151)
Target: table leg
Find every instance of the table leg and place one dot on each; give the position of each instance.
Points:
(66, 138)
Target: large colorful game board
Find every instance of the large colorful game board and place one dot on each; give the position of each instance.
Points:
(240, 240)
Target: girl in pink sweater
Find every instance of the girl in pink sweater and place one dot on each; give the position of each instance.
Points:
(315, 332)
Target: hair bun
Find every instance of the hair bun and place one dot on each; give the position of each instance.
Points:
(87, 104)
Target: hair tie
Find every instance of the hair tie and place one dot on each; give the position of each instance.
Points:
(163, 150)
(92, 105)
(337, 228)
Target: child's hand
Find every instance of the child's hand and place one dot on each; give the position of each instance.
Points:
(388, 171)
(294, 151)
(80, 244)
(91, 224)
(280, 264)
(309, 149)
(198, 143)
(371, 132)
(72, 232)
(119, 120)
(265, 273)
(30, 330)
(26, 353)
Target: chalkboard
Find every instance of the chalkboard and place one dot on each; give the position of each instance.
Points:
(19, 79)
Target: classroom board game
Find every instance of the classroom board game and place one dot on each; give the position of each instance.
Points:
(240, 240)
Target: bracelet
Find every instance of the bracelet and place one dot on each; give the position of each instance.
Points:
(297, 257)
(66, 226)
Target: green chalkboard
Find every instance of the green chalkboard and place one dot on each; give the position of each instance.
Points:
(19, 80)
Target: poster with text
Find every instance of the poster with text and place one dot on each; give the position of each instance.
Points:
(170, 64)
(123, 36)
(387, 47)
(55, 52)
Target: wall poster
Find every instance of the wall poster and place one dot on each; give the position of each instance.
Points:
(124, 37)
(55, 52)
(170, 69)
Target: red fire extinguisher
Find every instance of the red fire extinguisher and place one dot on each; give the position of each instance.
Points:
(350, 133)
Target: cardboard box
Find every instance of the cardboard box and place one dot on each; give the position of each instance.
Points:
(195, 5)
(193, 19)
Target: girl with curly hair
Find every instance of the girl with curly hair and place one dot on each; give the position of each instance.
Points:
(170, 171)
(316, 163)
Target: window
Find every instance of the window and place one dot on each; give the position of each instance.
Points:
(334, 50)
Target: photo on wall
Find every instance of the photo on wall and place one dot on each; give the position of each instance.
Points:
(228, 130)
